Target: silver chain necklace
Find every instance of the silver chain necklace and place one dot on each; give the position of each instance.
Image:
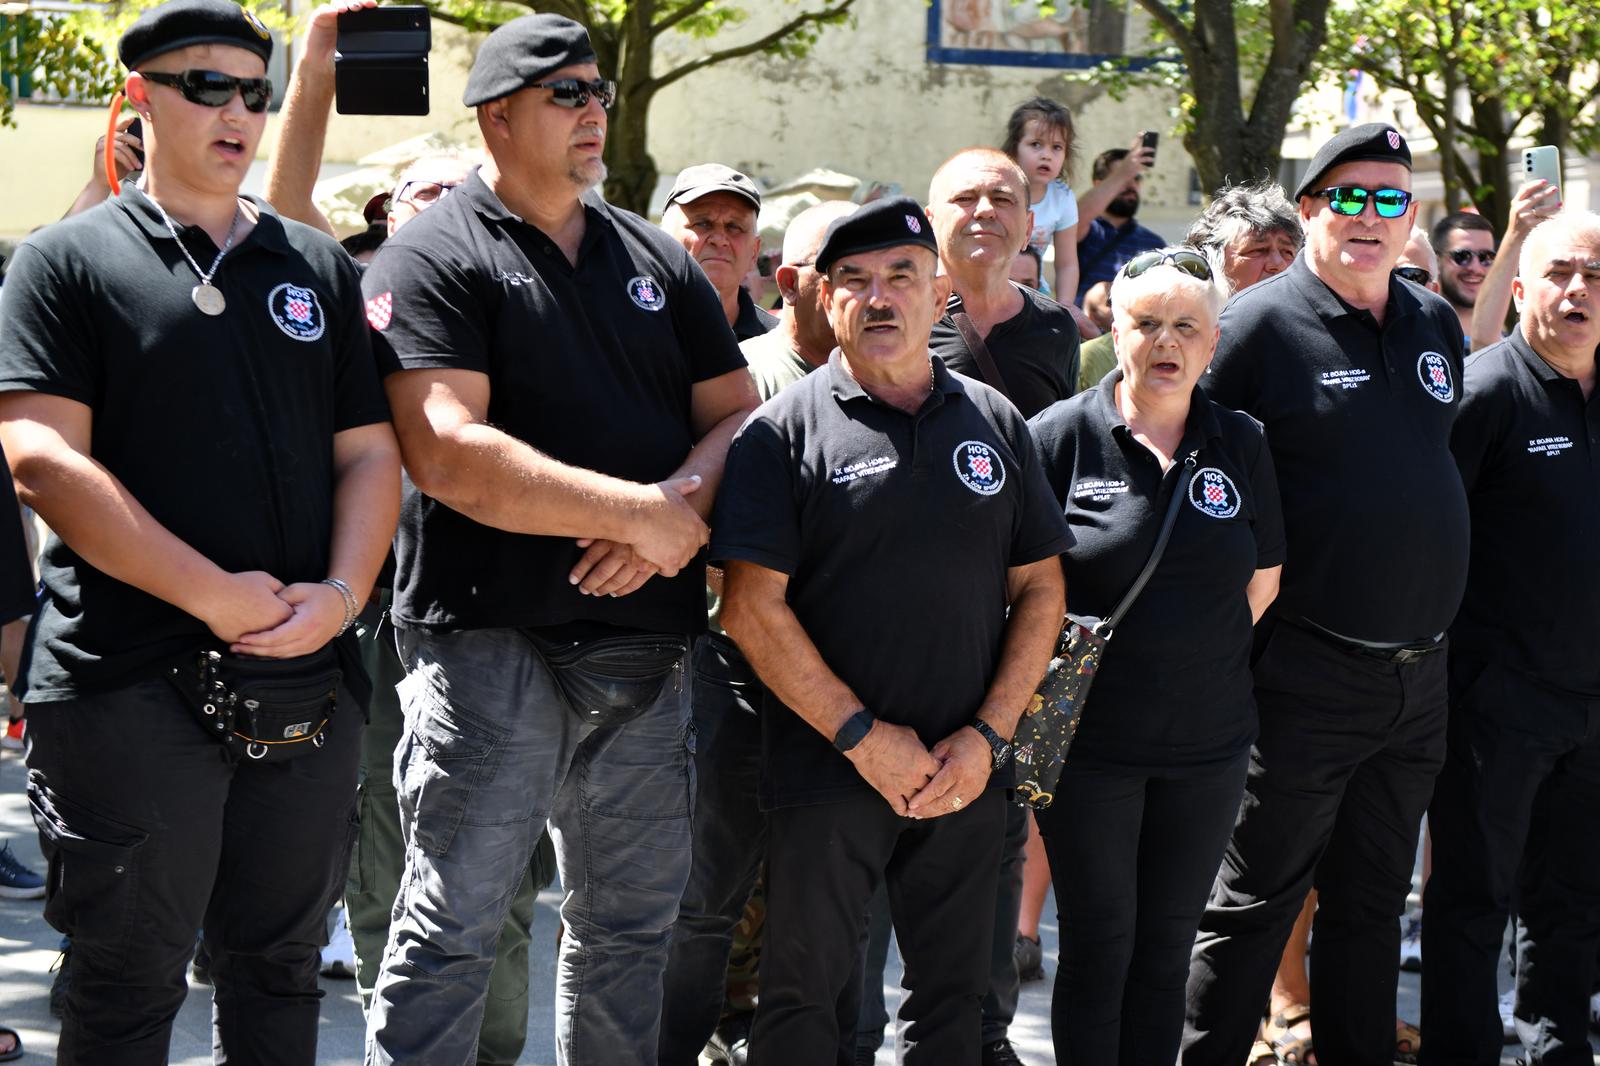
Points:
(206, 296)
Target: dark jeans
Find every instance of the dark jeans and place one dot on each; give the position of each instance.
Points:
(1143, 850)
(824, 864)
(153, 830)
(1338, 782)
(730, 841)
(1513, 817)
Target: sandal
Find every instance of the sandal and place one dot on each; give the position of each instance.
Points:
(1261, 1054)
(1407, 1042)
(16, 1050)
(1291, 1050)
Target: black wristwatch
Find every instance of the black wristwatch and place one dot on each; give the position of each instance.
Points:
(1000, 748)
(854, 730)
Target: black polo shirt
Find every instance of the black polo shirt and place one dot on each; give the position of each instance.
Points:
(593, 365)
(896, 532)
(1528, 445)
(221, 427)
(1036, 350)
(1174, 690)
(16, 567)
(1358, 419)
(752, 320)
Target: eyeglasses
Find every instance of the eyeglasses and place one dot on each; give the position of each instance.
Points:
(1191, 263)
(210, 88)
(1352, 199)
(1410, 273)
(1462, 256)
(570, 92)
(427, 191)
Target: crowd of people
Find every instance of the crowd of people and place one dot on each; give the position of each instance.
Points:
(515, 541)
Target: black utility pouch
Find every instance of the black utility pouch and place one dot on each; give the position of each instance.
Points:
(613, 680)
(269, 710)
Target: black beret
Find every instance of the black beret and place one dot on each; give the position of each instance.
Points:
(1372, 141)
(181, 23)
(701, 179)
(523, 51)
(880, 224)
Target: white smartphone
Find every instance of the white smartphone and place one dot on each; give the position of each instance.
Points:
(1542, 162)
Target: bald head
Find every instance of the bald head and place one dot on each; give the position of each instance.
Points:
(974, 157)
(804, 320)
(803, 238)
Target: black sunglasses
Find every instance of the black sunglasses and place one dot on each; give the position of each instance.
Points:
(570, 92)
(1416, 274)
(1351, 199)
(1192, 263)
(1462, 256)
(209, 88)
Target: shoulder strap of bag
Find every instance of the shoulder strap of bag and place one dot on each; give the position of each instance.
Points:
(1155, 554)
(980, 352)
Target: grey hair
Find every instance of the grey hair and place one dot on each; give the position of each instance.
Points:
(1574, 223)
(1239, 210)
(1420, 236)
(1214, 292)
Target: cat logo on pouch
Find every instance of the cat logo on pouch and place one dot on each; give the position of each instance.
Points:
(646, 292)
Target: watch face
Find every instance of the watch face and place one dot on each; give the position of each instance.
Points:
(1001, 755)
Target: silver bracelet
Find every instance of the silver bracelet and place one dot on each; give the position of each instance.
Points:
(351, 608)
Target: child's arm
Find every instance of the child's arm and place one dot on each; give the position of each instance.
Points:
(1066, 286)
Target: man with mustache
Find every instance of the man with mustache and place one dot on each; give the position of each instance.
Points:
(564, 385)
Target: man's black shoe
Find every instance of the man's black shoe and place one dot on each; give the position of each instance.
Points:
(1000, 1053)
(730, 1043)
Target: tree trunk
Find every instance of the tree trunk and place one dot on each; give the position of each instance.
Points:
(1493, 195)
(631, 172)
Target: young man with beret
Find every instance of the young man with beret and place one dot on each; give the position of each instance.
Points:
(565, 386)
(189, 400)
(846, 497)
(1356, 376)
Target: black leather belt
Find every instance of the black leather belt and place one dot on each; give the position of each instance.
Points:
(1389, 653)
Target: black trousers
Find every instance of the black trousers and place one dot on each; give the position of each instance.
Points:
(730, 841)
(152, 832)
(1513, 818)
(824, 863)
(1338, 782)
(1142, 851)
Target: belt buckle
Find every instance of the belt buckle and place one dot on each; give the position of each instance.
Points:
(1407, 655)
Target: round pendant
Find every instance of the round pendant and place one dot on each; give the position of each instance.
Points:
(208, 298)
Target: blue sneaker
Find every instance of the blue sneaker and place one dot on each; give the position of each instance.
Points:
(16, 880)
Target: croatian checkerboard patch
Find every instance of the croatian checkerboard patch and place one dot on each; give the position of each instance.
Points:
(296, 312)
(646, 292)
(979, 467)
(1213, 493)
(380, 309)
(1433, 370)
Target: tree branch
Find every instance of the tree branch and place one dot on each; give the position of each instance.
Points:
(686, 11)
(759, 44)
(1168, 20)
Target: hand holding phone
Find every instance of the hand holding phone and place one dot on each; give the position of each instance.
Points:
(1543, 162)
(380, 60)
(1148, 140)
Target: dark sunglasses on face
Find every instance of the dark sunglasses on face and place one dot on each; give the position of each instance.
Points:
(1192, 263)
(1462, 256)
(570, 92)
(210, 88)
(1351, 199)
(1416, 274)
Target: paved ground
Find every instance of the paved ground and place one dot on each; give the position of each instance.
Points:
(28, 949)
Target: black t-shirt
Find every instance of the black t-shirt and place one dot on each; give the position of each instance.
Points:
(1528, 445)
(16, 568)
(1358, 419)
(593, 365)
(1036, 350)
(752, 321)
(896, 532)
(1174, 689)
(221, 427)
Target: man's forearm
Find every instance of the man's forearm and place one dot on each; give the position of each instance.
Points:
(93, 193)
(1034, 624)
(707, 459)
(366, 508)
(1494, 296)
(297, 155)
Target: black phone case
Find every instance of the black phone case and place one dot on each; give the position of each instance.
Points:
(380, 65)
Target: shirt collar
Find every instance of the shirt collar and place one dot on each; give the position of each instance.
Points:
(267, 232)
(1541, 369)
(1330, 305)
(492, 209)
(1200, 425)
(845, 387)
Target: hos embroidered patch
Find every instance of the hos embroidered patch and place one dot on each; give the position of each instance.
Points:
(1433, 370)
(1213, 493)
(979, 467)
(296, 312)
(646, 293)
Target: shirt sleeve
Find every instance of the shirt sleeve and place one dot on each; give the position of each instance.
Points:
(16, 569)
(424, 313)
(1056, 447)
(46, 341)
(1041, 529)
(1479, 428)
(1068, 215)
(1233, 380)
(1271, 544)
(757, 519)
(358, 392)
(702, 325)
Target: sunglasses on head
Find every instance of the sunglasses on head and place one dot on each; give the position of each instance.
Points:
(570, 92)
(1192, 263)
(209, 88)
(1462, 256)
(1351, 199)
(1414, 274)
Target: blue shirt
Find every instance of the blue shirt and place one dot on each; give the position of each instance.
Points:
(1097, 264)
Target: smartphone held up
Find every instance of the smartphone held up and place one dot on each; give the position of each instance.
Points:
(380, 61)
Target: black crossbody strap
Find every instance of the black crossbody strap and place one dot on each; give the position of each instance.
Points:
(1155, 553)
(980, 352)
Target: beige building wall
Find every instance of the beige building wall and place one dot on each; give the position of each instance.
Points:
(866, 102)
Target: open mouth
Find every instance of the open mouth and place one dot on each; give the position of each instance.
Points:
(881, 327)
(232, 147)
(1576, 316)
(1165, 366)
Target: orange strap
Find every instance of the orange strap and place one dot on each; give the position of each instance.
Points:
(111, 146)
